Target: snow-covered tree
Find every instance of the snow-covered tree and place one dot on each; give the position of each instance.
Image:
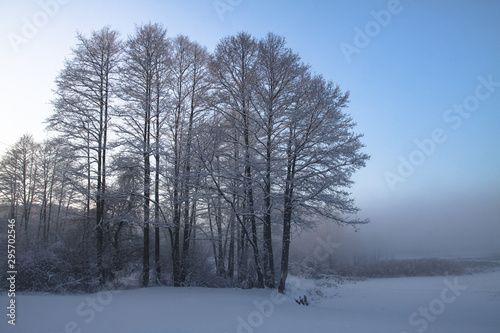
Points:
(234, 71)
(278, 70)
(187, 88)
(142, 90)
(322, 152)
(85, 88)
(19, 178)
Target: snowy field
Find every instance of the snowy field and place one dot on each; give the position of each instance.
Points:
(465, 304)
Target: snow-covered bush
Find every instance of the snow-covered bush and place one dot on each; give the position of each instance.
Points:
(56, 269)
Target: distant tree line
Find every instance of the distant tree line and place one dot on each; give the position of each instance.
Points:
(166, 154)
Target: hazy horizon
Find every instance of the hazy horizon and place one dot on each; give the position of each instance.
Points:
(424, 80)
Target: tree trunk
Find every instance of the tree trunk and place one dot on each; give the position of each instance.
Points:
(157, 187)
(267, 232)
(250, 198)
(287, 217)
(230, 257)
(187, 178)
(147, 184)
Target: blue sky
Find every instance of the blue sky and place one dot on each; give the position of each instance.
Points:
(410, 74)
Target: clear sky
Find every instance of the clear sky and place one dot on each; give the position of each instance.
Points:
(424, 78)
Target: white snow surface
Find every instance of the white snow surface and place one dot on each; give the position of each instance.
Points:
(465, 304)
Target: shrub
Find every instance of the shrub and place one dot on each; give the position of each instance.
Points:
(57, 269)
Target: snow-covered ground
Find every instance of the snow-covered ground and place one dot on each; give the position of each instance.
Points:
(425, 304)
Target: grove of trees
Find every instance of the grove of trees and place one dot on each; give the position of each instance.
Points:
(188, 166)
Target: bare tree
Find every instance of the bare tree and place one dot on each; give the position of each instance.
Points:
(187, 88)
(49, 161)
(9, 182)
(142, 91)
(24, 154)
(322, 153)
(160, 85)
(19, 178)
(278, 70)
(233, 69)
(82, 114)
